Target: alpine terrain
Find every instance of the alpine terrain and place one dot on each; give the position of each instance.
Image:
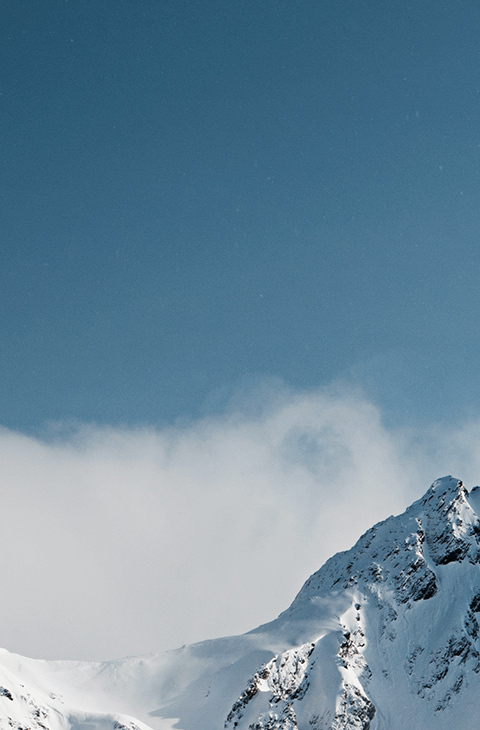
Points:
(384, 636)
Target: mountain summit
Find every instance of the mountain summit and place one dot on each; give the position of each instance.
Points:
(384, 636)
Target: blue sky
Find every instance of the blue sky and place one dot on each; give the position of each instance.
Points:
(195, 193)
(239, 295)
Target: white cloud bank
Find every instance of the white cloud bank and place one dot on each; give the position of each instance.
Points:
(125, 541)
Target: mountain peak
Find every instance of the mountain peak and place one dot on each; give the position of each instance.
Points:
(404, 604)
(438, 529)
(452, 524)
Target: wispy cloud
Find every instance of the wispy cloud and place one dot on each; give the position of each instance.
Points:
(128, 540)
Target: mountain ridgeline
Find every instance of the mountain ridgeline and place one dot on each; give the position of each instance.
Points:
(384, 636)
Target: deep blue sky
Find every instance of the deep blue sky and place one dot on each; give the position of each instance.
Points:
(195, 192)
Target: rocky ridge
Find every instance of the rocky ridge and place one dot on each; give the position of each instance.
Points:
(380, 583)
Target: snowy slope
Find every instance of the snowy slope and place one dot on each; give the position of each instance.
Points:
(384, 636)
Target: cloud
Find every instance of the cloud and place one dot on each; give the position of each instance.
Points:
(120, 541)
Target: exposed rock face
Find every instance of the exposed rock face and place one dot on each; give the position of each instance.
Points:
(284, 679)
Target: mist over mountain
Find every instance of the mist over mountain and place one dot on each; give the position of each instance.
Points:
(384, 636)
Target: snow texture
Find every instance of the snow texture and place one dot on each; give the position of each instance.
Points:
(384, 636)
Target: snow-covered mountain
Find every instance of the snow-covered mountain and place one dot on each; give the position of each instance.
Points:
(384, 636)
